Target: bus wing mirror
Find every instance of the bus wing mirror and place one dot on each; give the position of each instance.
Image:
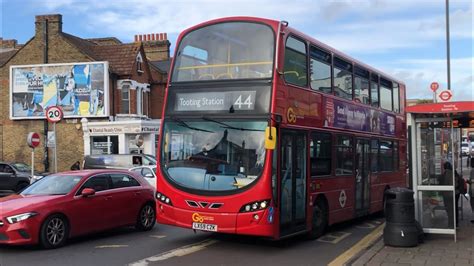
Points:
(270, 138)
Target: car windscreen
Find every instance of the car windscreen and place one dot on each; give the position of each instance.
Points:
(53, 185)
(21, 167)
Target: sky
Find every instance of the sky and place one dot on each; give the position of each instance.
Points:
(403, 38)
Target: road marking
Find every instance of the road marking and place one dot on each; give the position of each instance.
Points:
(358, 247)
(112, 246)
(334, 237)
(158, 236)
(182, 251)
(366, 225)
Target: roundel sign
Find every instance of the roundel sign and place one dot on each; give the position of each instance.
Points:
(54, 114)
(445, 96)
(33, 139)
(342, 198)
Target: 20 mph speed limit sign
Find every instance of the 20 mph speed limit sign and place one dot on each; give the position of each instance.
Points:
(54, 114)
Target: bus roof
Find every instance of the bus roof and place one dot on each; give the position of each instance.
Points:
(275, 23)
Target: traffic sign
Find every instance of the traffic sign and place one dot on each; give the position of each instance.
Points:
(54, 114)
(445, 96)
(33, 139)
(434, 86)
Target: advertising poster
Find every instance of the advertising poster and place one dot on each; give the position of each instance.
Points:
(80, 89)
(340, 114)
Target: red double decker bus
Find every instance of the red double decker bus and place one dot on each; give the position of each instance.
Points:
(269, 132)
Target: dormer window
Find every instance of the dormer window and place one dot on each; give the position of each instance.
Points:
(139, 62)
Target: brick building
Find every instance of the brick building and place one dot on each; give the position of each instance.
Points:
(110, 93)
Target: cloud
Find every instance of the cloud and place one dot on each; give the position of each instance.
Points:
(419, 73)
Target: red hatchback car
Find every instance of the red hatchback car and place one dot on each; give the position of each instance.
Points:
(68, 204)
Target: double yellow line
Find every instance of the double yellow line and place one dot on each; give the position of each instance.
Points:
(364, 243)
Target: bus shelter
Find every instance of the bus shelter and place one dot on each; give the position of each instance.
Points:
(435, 132)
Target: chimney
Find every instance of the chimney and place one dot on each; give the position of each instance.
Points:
(156, 45)
(54, 22)
(11, 44)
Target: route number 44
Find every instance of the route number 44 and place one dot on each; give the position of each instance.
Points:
(247, 102)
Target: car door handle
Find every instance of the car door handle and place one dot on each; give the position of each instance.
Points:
(108, 197)
(137, 193)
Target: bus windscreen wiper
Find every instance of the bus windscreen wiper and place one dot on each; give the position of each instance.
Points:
(227, 126)
(183, 124)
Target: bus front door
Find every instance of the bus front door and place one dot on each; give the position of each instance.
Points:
(292, 182)
(362, 182)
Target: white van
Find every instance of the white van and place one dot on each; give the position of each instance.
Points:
(117, 161)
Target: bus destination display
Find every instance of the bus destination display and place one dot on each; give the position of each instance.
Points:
(215, 101)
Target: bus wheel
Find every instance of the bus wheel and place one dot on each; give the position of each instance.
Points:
(320, 220)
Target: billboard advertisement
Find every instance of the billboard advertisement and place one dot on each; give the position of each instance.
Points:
(80, 89)
(340, 114)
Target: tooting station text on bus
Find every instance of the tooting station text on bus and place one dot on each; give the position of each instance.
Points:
(269, 132)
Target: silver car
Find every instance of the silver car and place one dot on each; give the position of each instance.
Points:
(148, 172)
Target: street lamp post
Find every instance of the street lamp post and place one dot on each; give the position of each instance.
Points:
(447, 45)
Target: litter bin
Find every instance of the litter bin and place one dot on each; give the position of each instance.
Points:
(400, 227)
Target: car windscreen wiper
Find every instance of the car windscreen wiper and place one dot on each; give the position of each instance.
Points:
(227, 126)
(183, 124)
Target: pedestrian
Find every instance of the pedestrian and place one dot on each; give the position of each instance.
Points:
(448, 199)
(470, 181)
(76, 166)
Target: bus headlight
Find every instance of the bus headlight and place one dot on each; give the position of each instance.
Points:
(255, 206)
(163, 198)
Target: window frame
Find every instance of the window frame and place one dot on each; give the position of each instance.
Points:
(306, 56)
(329, 63)
(331, 155)
(387, 84)
(349, 67)
(374, 78)
(79, 190)
(337, 146)
(122, 100)
(362, 73)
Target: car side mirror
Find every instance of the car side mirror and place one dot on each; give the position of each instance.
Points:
(87, 192)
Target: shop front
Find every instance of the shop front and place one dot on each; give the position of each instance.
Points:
(120, 137)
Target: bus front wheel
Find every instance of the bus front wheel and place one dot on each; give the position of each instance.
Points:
(319, 221)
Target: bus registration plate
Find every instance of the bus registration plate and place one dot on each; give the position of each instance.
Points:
(205, 227)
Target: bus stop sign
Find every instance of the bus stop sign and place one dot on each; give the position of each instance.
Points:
(434, 86)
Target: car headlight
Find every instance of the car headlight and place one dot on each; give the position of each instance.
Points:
(20, 217)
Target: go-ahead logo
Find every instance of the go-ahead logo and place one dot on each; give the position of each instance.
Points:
(198, 218)
(290, 115)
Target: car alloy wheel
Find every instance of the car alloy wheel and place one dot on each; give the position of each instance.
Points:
(146, 218)
(55, 231)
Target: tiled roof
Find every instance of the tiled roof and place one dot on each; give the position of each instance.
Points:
(5, 56)
(121, 57)
(105, 40)
(163, 66)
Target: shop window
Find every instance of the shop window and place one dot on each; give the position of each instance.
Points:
(344, 155)
(104, 145)
(320, 154)
(295, 67)
(320, 70)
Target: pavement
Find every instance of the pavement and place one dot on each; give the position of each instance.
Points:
(435, 250)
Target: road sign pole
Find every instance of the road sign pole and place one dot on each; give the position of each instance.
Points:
(32, 162)
(55, 149)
